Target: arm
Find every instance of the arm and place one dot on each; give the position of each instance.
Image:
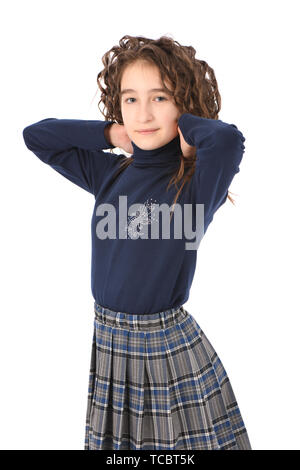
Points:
(72, 147)
(219, 151)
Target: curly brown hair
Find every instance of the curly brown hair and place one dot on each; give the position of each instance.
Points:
(195, 88)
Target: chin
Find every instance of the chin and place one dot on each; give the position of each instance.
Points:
(147, 143)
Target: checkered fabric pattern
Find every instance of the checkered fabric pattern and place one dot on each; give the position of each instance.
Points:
(156, 382)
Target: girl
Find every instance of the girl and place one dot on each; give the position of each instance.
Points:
(155, 380)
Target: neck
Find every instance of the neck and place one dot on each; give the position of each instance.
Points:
(167, 155)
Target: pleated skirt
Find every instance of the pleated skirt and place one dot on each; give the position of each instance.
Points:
(156, 382)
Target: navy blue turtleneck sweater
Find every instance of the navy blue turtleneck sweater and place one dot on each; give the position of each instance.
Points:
(133, 269)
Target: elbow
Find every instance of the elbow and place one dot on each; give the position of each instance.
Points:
(26, 136)
(231, 145)
(231, 138)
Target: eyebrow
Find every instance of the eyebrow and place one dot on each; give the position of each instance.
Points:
(130, 90)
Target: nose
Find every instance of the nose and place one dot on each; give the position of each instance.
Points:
(144, 112)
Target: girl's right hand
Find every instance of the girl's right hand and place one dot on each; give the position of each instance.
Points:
(118, 137)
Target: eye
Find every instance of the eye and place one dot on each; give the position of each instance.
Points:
(163, 98)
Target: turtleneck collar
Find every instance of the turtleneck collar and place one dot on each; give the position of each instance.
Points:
(166, 156)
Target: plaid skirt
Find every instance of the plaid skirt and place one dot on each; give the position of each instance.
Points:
(156, 382)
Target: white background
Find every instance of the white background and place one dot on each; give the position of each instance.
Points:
(245, 290)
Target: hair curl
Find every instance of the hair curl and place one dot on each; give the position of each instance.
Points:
(195, 88)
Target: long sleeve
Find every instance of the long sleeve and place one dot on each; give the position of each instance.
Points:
(72, 147)
(219, 151)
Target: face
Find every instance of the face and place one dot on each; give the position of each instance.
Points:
(143, 108)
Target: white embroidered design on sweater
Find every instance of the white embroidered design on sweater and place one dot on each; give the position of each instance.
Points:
(143, 216)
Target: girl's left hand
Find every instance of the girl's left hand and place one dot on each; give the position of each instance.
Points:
(187, 150)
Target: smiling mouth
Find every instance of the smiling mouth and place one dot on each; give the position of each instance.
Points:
(148, 131)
